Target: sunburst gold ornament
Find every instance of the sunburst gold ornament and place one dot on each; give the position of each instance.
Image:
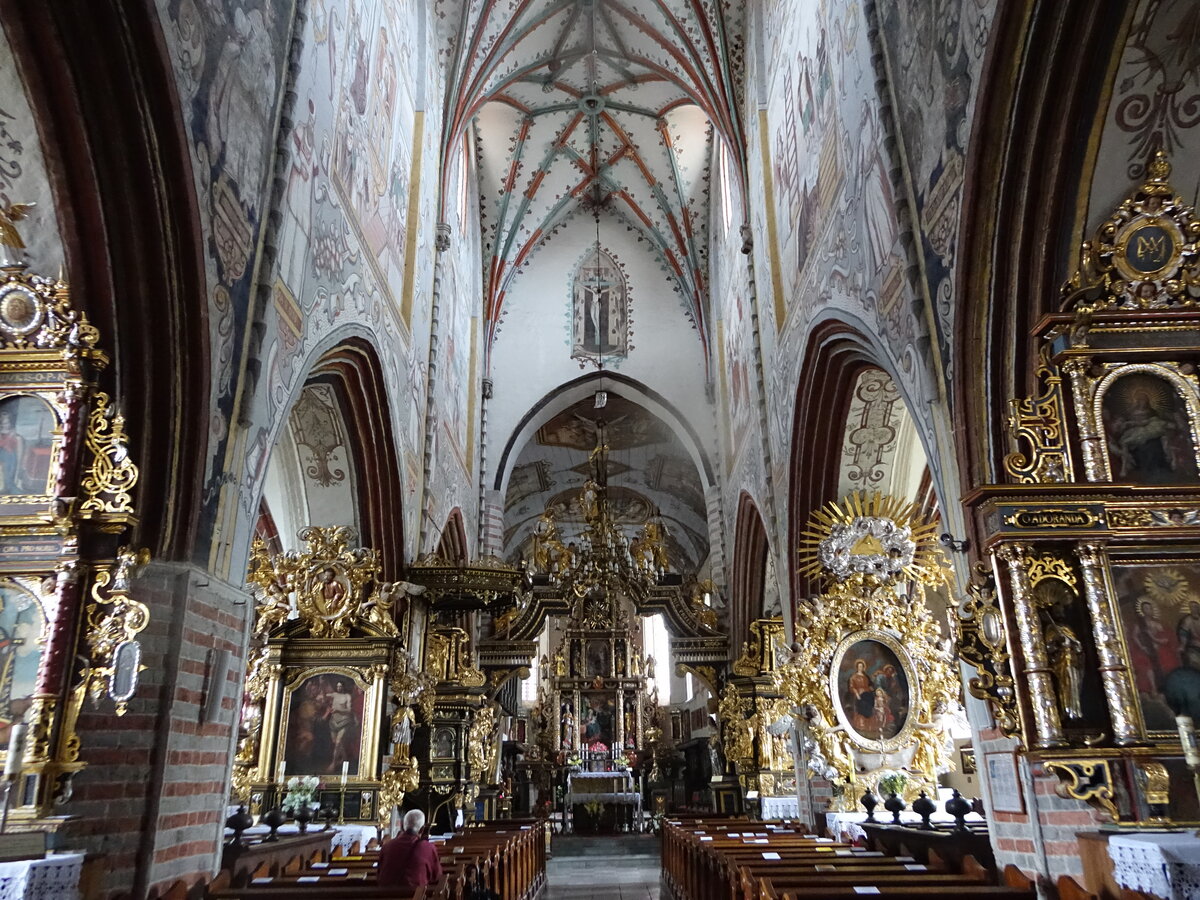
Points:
(875, 539)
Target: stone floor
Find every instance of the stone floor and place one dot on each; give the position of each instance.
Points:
(618, 867)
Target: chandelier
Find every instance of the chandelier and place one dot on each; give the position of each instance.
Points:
(605, 561)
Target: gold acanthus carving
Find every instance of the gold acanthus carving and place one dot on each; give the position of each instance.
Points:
(886, 607)
(1089, 780)
(1157, 782)
(1145, 255)
(982, 642)
(759, 653)
(331, 587)
(114, 618)
(1036, 424)
(36, 314)
(397, 781)
(737, 727)
(111, 475)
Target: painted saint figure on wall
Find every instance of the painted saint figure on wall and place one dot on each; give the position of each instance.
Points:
(599, 297)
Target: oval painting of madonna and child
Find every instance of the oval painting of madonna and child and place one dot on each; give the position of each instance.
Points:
(872, 690)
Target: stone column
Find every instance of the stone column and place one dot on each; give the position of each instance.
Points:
(1118, 684)
(1033, 649)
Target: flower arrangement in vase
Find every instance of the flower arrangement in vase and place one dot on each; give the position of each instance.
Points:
(301, 792)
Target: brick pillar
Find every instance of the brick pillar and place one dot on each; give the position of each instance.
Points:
(153, 796)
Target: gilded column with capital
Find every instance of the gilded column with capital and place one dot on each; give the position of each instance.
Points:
(1095, 464)
(1118, 684)
(1038, 675)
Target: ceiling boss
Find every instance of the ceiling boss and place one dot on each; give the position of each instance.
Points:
(869, 665)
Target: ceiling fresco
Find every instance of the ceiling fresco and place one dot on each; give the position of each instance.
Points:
(648, 470)
(606, 107)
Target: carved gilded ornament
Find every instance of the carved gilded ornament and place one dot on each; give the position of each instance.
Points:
(330, 587)
(874, 541)
(1145, 255)
(1042, 452)
(114, 620)
(111, 475)
(1089, 780)
(881, 601)
(737, 726)
(981, 640)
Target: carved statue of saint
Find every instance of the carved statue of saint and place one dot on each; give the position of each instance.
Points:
(402, 732)
(560, 664)
(1066, 656)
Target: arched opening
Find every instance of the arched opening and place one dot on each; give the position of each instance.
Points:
(747, 584)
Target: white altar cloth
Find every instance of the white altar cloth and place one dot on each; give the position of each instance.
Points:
(1166, 865)
(53, 878)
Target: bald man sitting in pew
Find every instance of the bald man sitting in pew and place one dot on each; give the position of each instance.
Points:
(409, 860)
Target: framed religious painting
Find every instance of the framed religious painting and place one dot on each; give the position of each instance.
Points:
(1158, 604)
(327, 723)
(597, 720)
(874, 687)
(1149, 413)
(22, 637)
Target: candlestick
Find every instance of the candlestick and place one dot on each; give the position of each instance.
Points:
(1187, 737)
(12, 768)
(16, 749)
(282, 770)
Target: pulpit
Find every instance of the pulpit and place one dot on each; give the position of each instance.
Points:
(603, 802)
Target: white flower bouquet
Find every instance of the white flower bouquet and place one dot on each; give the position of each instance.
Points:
(301, 790)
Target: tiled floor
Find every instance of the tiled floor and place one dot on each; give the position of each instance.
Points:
(614, 868)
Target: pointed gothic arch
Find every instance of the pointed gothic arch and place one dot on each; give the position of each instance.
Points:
(748, 577)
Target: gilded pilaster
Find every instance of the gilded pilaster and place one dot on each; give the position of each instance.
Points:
(1095, 464)
(1118, 684)
(1037, 667)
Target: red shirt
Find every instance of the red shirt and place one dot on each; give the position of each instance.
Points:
(408, 861)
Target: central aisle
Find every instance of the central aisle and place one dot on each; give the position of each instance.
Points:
(616, 867)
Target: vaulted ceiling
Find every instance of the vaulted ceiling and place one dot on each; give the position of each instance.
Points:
(595, 107)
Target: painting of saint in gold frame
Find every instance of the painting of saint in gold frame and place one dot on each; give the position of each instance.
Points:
(28, 428)
(874, 689)
(22, 637)
(1159, 605)
(1148, 431)
(324, 723)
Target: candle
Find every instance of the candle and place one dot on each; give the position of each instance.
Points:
(16, 750)
(345, 771)
(1187, 737)
(282, 770)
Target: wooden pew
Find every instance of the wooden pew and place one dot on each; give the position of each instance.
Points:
(752, 861)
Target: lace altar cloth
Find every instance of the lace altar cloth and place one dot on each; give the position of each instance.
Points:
(1166, 865)
(53, 878)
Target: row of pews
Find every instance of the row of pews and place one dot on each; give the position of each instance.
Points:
(736, 859)
(507, 858)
